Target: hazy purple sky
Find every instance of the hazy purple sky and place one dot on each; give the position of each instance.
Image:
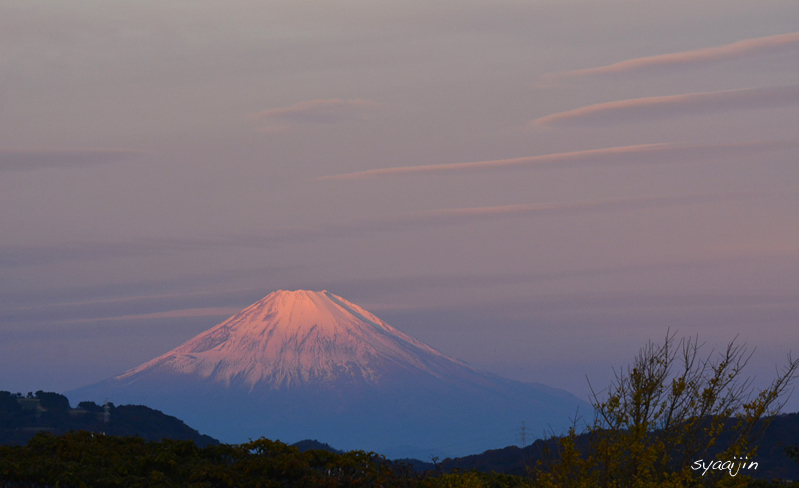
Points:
(534, 187)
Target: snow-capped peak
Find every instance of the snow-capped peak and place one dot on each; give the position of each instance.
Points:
(290, 338)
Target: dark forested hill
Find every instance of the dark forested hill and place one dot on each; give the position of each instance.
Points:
(21, 417)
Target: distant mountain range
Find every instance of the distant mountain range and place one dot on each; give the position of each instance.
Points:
(304, 364)
(22, 417)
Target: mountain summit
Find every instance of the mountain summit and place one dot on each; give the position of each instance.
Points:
(291, 338)
(305, 364)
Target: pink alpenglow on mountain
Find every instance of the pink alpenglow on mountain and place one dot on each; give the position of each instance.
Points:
(304, 364)
(294, 338)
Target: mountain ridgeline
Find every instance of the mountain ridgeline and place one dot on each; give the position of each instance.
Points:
(22, 417)
(303, 364)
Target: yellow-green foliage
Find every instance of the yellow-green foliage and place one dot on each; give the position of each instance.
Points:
(665, 411)
(474, 479)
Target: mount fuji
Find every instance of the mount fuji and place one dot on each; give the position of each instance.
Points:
(304, 364)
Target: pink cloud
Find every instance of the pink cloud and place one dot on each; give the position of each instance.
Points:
(674, 105)
(317, 112)
(740, 49)
(638, 154)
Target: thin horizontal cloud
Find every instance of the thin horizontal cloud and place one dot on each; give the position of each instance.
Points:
(458, 216)
(375, 288)
(52, 319)
(275, 129)
(13, 256)
(220, 283)
(316, 112)
(17, 255)
(638, 109)
(638, 154)
(33, 159)
(127, 299)
(698, 57)
(470, 215)
(171, 314)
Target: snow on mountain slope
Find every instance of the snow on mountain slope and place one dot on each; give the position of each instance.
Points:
(296, 337)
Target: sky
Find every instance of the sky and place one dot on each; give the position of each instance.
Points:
(535, 187)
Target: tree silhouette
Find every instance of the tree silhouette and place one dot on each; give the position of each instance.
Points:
(664, 412)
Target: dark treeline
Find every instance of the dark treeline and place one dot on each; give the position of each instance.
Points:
(87, 459)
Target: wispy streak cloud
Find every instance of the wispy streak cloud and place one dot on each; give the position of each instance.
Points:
(458, 216)
(638, 154)
(15, 256)
(33, 159)
(698, 57)
(637, 109)
(170, 314)
(469, 215)
(11, 256)
(316, 112)
(378, 287)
